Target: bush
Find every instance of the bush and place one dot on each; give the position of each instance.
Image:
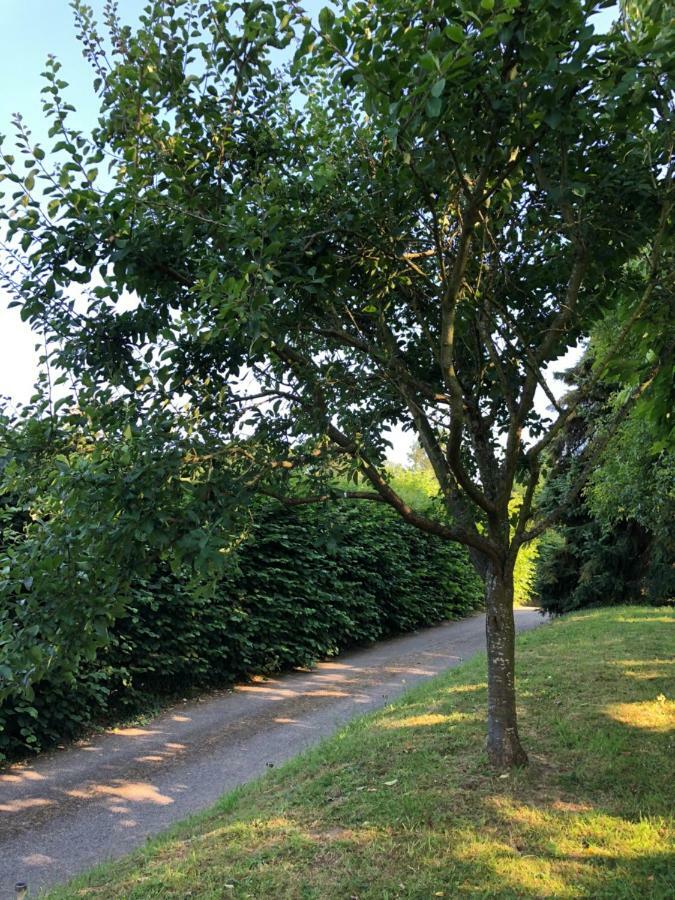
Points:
(306, 583)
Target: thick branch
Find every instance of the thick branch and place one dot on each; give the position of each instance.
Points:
(431, 526)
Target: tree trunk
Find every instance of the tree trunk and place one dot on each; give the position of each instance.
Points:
(503, 744)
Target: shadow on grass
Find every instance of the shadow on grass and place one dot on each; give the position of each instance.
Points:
(403, 805)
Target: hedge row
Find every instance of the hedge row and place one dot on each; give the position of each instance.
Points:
(307, 583)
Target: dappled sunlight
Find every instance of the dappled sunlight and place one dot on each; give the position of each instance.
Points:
(520, 870)
(271, 692)
(465, 688)
(404, 805)
(559, 850)
(37, 859)
(646, 674)
(336, 679)
(518, 813)
(427, 719)
(570, 806)
(272, 833)
(134, 791)
(284, 720)
(339, 667)
(162, 755)
(19, 775)
(277, 693)
(136, 732)
(324, 692)
(577, 830)
(17, 806)
(339, 833)
(645, 669)
(648, 615)
(555, 849)
(131, 791)
(640, 663)
(411, 670)
(656, 715)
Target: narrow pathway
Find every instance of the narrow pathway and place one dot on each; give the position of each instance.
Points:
(77, 807)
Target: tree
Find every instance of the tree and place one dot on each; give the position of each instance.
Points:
(405, 227)
(617, 541)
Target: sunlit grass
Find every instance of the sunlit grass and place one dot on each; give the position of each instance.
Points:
(402, 804)
(653, 715)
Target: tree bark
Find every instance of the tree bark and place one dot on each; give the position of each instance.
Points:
(503, 743)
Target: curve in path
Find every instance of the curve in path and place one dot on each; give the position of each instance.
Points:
(77, 807)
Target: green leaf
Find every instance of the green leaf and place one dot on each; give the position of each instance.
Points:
(326, 19)
(553, 118)
(429, 62)
(455, 33)
(438, 87)
(434, 107)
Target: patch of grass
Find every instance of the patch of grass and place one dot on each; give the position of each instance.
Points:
(402, 804)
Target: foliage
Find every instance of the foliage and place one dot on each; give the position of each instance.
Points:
(405, 227)
(634, 481)
(618, 542)
(582, 564)
(409, 786)
(85, 511)
(304, 583)
(524, 575)
(339, 245)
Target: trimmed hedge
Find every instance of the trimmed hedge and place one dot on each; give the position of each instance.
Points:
(307, 583)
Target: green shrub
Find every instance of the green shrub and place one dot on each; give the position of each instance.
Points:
(306, 583)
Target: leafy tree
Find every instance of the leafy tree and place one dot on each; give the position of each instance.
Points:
(406, 226)
(617, 542)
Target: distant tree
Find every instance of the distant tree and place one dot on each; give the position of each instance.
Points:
(407, 227)
(617, 543)
(418, 460)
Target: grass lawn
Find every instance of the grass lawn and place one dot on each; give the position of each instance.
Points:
(401, 803)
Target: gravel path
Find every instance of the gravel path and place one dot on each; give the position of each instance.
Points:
(73, 808)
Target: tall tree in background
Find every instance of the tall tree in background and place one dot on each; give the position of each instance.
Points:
(408, 226)
(618, 541)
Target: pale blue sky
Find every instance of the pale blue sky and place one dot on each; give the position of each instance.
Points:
(29, 31)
